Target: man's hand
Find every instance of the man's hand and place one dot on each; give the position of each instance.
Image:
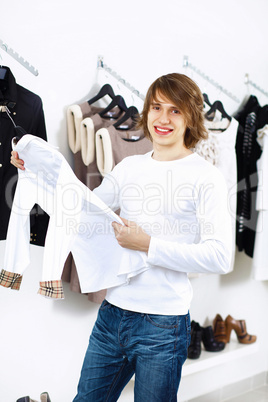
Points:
(131, 236)
(14, 160)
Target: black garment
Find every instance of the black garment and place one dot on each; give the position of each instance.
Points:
(262, 117)
(248, 152)
(27, 111)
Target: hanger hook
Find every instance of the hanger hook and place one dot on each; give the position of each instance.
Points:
(100, 62)
(246, 81)
(185, 61)
(136, 92)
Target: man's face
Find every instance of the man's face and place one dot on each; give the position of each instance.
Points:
(165, 123)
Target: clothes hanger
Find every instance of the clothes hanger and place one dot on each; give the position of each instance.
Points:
(206, 100)
(131, 113)
(217, 105)
(118, 101)
(18, 129)
(105, 90)
(263, 116)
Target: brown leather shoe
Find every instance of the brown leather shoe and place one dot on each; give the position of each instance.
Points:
(219, 329)
(239, 326)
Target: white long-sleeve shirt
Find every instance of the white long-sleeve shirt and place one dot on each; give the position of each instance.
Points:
(79, 223)
(183, 206)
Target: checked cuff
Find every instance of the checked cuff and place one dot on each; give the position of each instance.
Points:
(10, 279)
(51, 289)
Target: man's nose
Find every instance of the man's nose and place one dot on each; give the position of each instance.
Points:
(164, 117)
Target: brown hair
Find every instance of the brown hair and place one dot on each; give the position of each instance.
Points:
(183, 93)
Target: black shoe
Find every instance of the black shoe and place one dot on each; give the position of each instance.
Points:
(194, 349)
(209, 341)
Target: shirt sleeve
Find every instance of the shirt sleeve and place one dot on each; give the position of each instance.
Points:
(17, 251)
(212, 253)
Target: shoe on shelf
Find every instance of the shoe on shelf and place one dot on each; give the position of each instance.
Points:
(239, 326)
(209, 341)
(219, 329)
(194, 349)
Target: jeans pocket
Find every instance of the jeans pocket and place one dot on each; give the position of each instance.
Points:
(105, 304)
(163, 321)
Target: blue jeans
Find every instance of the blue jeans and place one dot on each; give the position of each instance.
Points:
(123, 343)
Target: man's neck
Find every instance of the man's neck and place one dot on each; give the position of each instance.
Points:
(162, 153)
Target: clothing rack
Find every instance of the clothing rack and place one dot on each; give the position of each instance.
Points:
(209, 79)
(100, 64)
(249, 82)
(19, 58)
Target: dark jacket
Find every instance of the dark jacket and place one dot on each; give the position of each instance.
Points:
(27, 111)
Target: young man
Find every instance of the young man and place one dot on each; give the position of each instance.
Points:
(175, 208)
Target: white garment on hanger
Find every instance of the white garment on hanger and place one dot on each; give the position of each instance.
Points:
(74, 119)
(104, 154)
(79, 223)
(219, 149)
(87, 135)
(260, 255)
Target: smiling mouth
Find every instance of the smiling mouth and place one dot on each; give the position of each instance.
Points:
(162, 131)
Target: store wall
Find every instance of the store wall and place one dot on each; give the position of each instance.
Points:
(42, 342)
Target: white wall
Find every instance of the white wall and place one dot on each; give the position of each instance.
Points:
(43, 341)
